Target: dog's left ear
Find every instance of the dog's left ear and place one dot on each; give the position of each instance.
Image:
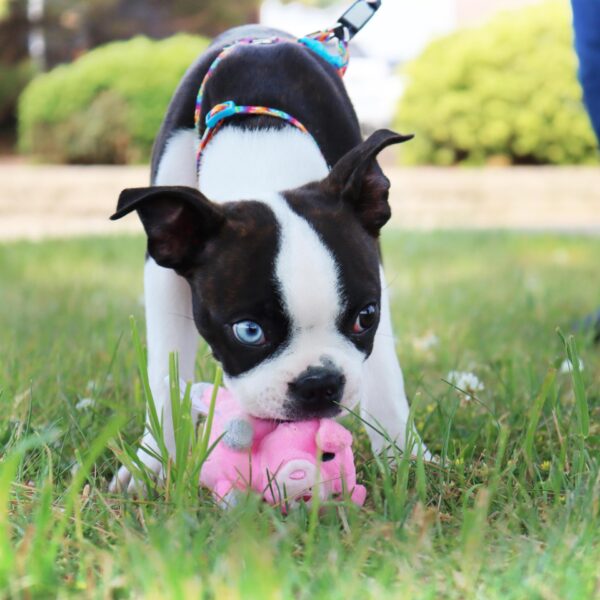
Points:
(359, 180)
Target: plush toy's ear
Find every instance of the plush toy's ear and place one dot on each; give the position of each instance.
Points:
(178, 220)
(332, 437)
(359, 180)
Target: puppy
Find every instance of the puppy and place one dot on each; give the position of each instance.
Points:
(271, 247)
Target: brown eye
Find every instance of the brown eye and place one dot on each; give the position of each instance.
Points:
(365, 319)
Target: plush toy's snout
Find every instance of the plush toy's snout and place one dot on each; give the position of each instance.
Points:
(293, 482)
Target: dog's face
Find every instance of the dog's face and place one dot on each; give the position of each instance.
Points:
(286, 289)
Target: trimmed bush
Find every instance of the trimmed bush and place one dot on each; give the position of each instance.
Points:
(506, 92)
(107, 106)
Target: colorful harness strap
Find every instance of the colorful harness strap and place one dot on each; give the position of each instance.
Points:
(219, 113)
(316, 42)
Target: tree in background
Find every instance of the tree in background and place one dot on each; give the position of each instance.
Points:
(76, 26)
(58, 31)
(15, 68)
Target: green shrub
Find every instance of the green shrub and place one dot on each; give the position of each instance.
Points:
(505, 92)
(107, 106)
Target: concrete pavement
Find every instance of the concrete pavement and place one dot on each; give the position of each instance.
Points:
(54, 201)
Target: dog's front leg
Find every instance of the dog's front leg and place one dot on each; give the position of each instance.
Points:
(384, 404)
(170, 328)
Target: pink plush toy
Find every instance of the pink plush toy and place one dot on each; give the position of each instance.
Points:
(280, 461)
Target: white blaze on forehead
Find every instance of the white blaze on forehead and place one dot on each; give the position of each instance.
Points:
(306, 272)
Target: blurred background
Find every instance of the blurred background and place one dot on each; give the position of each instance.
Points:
(477, 84)
(481, 84)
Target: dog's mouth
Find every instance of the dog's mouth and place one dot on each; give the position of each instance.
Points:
(282, 400)
(296, 413)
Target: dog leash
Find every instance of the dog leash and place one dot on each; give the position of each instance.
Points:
(348, 25)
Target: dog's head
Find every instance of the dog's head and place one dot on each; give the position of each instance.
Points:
(286, 290)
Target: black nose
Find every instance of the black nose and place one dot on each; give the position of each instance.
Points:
(318, 390)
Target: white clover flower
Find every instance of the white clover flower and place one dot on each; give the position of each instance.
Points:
(566, 366)
(426, 342)
(85, 403)
(468, 382)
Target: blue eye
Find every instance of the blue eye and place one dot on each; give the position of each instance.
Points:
(249, 333)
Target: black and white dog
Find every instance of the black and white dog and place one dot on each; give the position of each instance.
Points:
(272, 248)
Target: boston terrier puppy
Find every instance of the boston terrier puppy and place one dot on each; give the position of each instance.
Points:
(269, 249)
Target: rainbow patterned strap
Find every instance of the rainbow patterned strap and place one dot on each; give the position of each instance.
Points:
(316, 42)
(219, 113)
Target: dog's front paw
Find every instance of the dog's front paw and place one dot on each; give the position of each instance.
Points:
(123, 480)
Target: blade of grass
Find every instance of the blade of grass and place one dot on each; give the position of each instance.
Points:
(155, 422)
(581, 403)
(8, 470)
(211, 412)
(534, 417)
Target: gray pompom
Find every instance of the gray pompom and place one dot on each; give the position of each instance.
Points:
(238, 434)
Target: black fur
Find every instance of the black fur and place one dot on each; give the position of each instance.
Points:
(234, 281)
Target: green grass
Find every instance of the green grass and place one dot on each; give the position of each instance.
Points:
(513, 513)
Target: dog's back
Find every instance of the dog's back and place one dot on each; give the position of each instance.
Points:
(285, 75)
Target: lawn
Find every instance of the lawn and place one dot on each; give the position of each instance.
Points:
(512, 510)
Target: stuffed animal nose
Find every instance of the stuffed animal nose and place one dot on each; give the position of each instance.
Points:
(318, 389)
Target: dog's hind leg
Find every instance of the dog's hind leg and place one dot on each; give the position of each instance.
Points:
(384, 406)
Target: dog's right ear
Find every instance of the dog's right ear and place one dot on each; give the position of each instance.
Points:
(359, 181)
(178, 220)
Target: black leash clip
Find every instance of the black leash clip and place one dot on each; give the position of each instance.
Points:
(355, 18)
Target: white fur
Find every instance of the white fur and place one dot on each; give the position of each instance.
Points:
(256, 165)
(249, 165)
(178, 163)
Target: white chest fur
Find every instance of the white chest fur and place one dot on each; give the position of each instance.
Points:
(242, 164)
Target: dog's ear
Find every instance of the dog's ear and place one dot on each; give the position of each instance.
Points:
(178, 220)
(359, 180)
